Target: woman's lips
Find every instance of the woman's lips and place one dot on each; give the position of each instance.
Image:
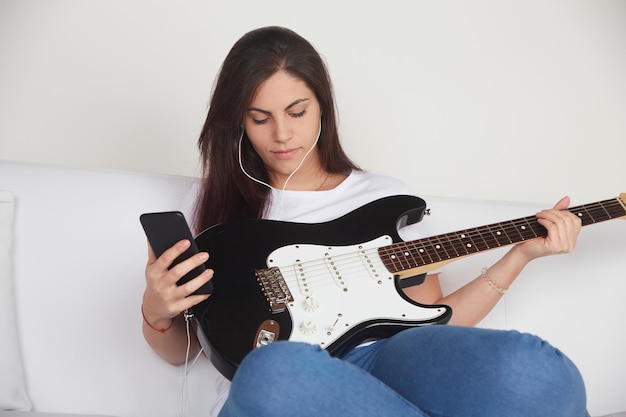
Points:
(286, 154)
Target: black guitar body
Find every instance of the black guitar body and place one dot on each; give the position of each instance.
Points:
(228, 321)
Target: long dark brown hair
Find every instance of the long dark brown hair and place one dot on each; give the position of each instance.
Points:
(226, 193)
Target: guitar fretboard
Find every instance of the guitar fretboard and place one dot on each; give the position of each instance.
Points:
(417, 253)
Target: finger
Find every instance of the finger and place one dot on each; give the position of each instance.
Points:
(559, 208)
(194, 284)
(174, 252)
(192, 300)
(151, 256)
(562, 203)
(188, 299)
(563, 218)
(563, 228)
(189, 264)
(552, 224)
(158, 271)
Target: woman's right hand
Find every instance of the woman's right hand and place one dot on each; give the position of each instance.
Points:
(163, 300)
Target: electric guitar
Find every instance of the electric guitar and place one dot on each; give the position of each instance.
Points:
(339, 283)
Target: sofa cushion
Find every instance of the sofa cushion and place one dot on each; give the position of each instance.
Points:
(13, 395)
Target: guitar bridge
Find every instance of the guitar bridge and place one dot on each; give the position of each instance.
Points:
(275, 288)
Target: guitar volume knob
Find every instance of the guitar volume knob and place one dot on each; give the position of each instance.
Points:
(308, 327)
(310, 304)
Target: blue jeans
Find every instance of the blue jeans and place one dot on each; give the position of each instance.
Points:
(432, 371)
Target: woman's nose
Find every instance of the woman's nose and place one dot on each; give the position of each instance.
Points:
(283, 131)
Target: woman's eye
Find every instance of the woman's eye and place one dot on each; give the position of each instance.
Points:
(260, 122)
(300, 114)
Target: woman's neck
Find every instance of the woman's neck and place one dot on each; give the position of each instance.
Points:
(319, 180)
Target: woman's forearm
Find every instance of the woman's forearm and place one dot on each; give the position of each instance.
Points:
(171, 345)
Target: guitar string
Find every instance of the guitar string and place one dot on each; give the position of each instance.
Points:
(318, 271)
(416, 248)
(429, 250)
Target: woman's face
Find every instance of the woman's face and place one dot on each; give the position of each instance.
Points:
(283, 123)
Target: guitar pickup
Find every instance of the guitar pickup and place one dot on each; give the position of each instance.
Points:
(275, 288)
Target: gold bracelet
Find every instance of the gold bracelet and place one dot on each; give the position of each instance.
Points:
(483, 273)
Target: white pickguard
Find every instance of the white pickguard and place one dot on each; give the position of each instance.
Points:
(337, 287)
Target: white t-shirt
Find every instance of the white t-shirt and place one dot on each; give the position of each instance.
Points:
(358, 189)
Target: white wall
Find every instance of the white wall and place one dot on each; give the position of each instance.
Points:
(510, 100)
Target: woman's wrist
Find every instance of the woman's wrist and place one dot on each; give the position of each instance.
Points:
(518, 256)
(500, 276)
(484, 273)
(160, 325)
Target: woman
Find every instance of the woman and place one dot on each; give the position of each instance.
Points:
(270, 149)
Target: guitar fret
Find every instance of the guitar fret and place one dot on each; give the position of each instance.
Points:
(425, 251)
(585, 215)
(513, 231)
(466, 242)
(389, 258)
(418, 250)
(600, 214)
(449, 247)
(428, 249)
(408, 255)
(404, 262)
(608, 215)
(457, 244)
(617, 208)
(499, 234)
(503, 235)
(526, 228)
(600, 211)
(488, 238)
(482, 243)
(439, 249)
(597, 214)
(442, 252)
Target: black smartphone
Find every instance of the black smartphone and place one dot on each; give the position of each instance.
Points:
(163, 230)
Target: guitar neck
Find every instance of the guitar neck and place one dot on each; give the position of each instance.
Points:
(423, 255)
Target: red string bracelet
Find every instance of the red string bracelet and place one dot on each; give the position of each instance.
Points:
(151, 326)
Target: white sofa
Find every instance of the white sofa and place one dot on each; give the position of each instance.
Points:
(72, 281)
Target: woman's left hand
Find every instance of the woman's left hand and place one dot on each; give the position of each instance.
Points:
(563, 228)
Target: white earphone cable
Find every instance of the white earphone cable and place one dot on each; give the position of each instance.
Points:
(280, 202)
(184, 407)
